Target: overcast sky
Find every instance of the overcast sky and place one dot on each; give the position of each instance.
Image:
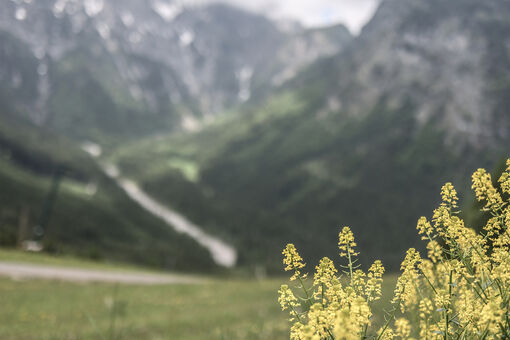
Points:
(353, 13)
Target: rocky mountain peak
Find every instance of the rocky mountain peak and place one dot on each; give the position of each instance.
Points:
(154, 58)
(450, 60)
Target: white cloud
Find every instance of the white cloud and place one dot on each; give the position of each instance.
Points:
(353, 13)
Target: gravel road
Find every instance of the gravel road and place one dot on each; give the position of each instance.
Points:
(20, 271)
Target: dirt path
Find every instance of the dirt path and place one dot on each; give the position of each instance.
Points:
(19, 271)
(222, 253)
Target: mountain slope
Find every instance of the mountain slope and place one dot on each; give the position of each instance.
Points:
(89, 215)
(365, 138)
(101, 70)
(450, 58)
(112, 71)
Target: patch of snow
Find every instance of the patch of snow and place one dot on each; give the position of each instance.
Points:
(244, 76)
(39, 53)
(104, 30)
(165, 10)
(111, 170)
(127, 18)
(186, 38)
(190, 123)
(221, 252)
(59, 7)
(20, 14)
(42, 69)
(92, 149)
(93, 7)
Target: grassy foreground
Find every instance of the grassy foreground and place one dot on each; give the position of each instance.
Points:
(216, 309)
(222, 309)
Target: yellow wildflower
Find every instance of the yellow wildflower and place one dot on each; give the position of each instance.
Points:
(292, 261)
(346, 243)
(449, 195)
(405, 291)
(485, 191)
(374, 282)
(402, 328)
(324, 277)
(424, 228)
(504, 180)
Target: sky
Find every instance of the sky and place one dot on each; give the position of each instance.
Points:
(312, 13)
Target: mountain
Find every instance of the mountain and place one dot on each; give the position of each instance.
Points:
(450, 59)
(102, 70)
(55, 192)
(363, 138)
(260, 132)
(111, 72)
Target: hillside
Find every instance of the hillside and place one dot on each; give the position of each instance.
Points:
(108, 71)
(365, 138)
(259, 132)
(89, 215)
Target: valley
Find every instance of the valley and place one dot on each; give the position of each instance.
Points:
(260, 133)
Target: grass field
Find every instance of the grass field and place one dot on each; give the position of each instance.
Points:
(219, 308)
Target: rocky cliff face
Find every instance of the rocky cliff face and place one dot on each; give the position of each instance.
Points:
(451, 60)
(152, 59)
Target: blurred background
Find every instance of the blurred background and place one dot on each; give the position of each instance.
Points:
(192, 139)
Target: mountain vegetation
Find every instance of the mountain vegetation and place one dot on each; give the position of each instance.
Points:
(345, 140)
(88, 215)
(261, 133)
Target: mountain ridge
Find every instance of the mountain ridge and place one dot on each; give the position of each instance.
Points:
(364, 138)
(158, 65)
(364, 132)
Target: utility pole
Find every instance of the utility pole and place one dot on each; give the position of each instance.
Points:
(23, 224)
(48, 205)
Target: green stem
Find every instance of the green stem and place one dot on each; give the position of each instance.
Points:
(428, 281)
(503, 329)
(295, 313)
(350, 261)
(388, 322)
(330, 335)
(447, 320)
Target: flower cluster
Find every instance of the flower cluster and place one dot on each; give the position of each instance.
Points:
(293, 261)
(461, 290)
(333, 306)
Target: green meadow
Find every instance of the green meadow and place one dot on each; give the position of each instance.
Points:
(222, 309)
(218, 308)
